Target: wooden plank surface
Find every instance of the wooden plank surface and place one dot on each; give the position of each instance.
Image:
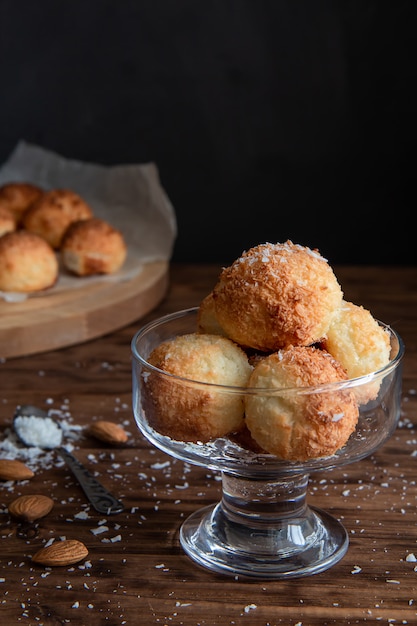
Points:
(136, 572)
(60, 319)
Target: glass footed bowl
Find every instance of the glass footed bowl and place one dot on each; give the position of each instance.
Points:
(262, 526)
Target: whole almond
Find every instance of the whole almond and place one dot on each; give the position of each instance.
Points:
(11, 469)
(31, 507)
(65, 552)
(109, 432)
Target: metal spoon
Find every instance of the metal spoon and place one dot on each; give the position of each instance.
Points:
(101, 499)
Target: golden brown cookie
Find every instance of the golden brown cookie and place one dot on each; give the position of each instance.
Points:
(50, 216)
(7, 221)
(357, 340)
(277, 295)
(293, 423)
(93, 246)
(207, 321)
(18, 197)
(360, 344)
(188, 411)
(27, 263)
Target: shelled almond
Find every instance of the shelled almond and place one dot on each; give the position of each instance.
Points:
(66, 552)
(11, 469)
(109, 432)
(31, 507)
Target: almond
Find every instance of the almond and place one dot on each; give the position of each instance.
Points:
(14, 470)
(64, 552)
(108, 432)
(31, 507)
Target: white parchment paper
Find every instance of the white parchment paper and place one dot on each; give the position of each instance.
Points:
(130, 197)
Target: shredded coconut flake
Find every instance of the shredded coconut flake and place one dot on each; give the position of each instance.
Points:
(99, 530)
(43, 432)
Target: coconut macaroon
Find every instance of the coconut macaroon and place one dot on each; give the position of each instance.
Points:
(360, 344)
(27, 263)
(295, 423)
(188, 411)
(357, 340)
(18, 197)
(276, 295)
(50, 216)
(93, 246)
(207, 321)
(7, 221)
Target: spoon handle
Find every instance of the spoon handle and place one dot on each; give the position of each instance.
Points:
(101, 499)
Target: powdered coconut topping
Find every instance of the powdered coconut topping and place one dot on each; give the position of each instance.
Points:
(42, 432)
(39, 455)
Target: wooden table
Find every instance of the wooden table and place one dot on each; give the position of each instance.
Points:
(136, 571)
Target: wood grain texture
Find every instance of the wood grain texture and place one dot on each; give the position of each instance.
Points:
(136, 572)
(70, 317)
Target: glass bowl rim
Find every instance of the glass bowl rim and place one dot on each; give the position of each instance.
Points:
(321, 388)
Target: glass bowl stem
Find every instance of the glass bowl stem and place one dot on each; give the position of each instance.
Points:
(264, 529)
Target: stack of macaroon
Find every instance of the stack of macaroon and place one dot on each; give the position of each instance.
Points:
(275, 322)
(37, 226)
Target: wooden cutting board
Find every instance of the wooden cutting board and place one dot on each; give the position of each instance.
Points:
(67, 318)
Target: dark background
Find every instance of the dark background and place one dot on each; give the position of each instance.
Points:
(267, 119)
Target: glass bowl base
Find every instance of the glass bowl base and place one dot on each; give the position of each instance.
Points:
(289, 548)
